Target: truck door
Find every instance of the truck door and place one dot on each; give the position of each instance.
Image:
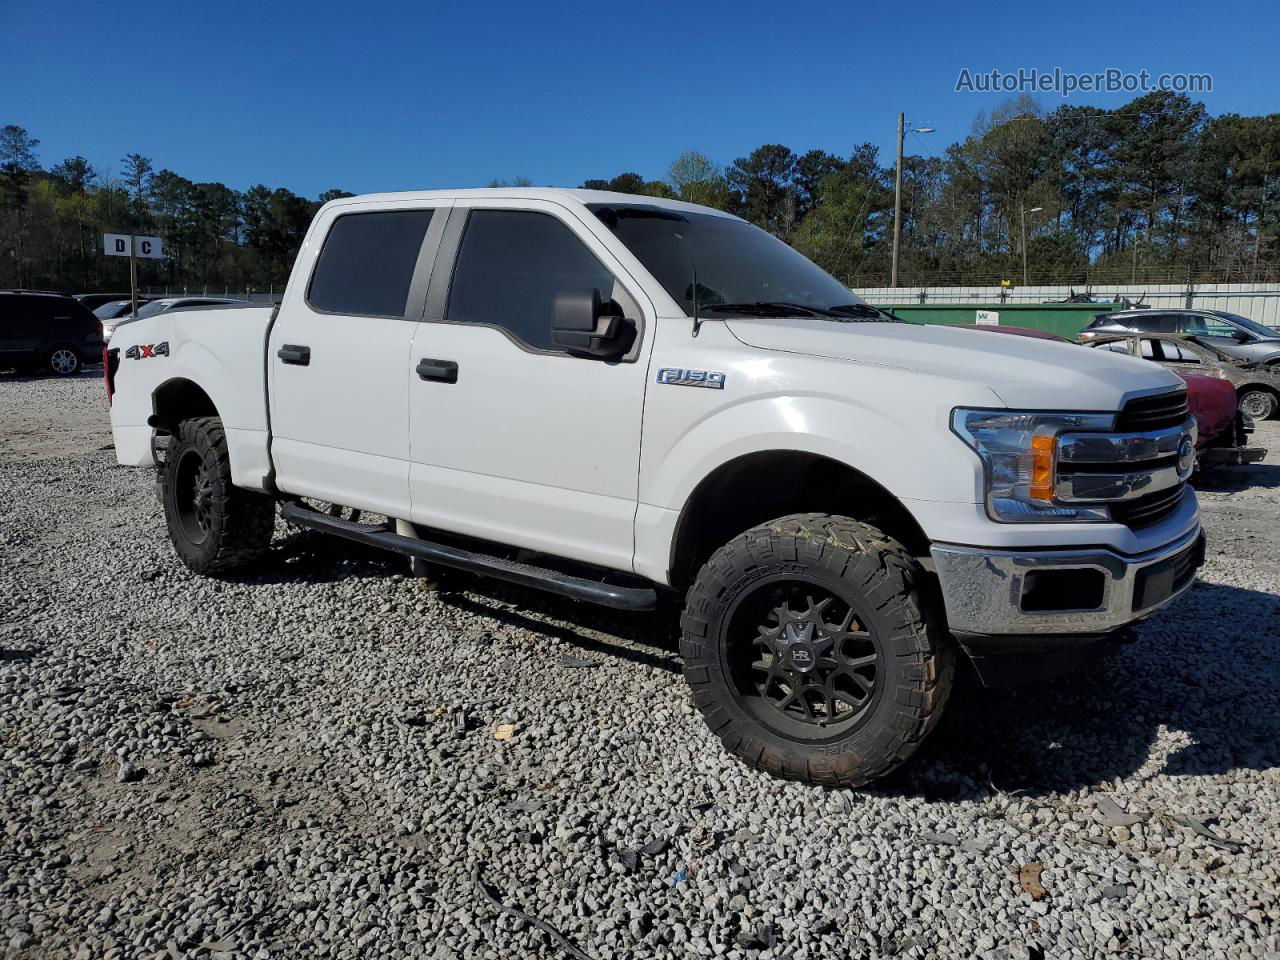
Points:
(512, 438)
(339, 355)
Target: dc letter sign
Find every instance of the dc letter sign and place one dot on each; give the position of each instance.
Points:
(117, 245)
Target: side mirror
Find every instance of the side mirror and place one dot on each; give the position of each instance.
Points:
(580, 325)
(1241, 337)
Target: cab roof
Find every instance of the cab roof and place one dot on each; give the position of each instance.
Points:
(555, 194)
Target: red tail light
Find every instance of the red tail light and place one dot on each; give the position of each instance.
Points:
(110, 360)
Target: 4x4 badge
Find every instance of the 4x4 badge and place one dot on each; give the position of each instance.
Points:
(682, 377)
(144, 351)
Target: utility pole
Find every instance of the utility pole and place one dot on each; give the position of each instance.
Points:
(897, 202)
(1262, 209)
(1025, 211)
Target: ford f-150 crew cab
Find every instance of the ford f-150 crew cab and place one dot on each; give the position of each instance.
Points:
(613, 397)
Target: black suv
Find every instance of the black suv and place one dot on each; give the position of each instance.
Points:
(47, 331)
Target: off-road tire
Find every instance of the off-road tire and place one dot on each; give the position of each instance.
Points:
(239, 522)
(851, 560)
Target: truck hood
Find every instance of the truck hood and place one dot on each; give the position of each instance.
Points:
(1025, 373)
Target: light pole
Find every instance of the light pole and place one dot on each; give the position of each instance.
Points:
(1025, 211)
(897, 196)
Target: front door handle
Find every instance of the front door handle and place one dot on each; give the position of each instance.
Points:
(446, 371)
(295, 354)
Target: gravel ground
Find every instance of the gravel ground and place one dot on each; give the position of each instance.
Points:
(303, 762)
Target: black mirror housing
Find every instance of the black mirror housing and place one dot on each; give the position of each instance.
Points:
(581, 326)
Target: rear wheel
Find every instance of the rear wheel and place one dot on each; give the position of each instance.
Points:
(810, 652)
(215, 526)
(1258, 402)
(63, 361)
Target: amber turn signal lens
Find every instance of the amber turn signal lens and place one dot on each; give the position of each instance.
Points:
(1042, 450)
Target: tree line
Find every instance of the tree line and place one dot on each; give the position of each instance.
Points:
(1155, 190)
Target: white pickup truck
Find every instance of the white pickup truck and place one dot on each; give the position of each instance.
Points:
(613, 397)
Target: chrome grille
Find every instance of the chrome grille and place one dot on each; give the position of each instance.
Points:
(1153, 413)
(1150, 509)
(1132, 471)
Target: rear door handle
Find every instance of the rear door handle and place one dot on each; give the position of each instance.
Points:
(446, 371)
(295, 354)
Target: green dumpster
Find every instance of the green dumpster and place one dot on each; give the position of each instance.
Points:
(1064, 319)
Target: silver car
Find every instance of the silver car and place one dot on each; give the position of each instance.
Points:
(163, 305)
(1229, 332)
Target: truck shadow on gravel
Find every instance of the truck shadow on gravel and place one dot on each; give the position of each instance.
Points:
(1213, 684)
(307, 557)
(650, 639)
(1208, 671)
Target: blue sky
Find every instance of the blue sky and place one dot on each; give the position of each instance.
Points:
(391, 96)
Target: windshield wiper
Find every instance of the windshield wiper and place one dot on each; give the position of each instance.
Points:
(860, 311)
(780, 308)
(766, 308)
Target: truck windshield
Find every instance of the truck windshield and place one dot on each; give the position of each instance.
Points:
(741, 270)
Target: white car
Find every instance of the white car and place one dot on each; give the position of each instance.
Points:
(154, 308)
(661, 398)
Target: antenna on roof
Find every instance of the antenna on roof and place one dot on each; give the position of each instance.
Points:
(697, 320)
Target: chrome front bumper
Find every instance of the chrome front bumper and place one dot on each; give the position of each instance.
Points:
(993, 592)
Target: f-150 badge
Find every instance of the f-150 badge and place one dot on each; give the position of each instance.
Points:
(148, 350)
(682, 377)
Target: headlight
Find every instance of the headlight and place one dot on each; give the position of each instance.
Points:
(1019, 459)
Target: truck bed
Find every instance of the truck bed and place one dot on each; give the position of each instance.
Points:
(221, 349)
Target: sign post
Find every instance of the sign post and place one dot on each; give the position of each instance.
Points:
(133, 247)
(133, 279)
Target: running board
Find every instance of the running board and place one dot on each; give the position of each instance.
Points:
(526, 575)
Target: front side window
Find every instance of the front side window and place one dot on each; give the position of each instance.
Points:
(1210, 326)
(511, 267)
(367, 263)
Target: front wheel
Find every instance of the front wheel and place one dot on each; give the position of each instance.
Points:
(810, 653)
(1258, 403)
(216, 527)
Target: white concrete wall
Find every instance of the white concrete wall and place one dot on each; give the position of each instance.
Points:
(1260, 302)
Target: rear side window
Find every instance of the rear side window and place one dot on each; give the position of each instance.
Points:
(511, 267)
(367, 263)
(1175, 352)
(60, 310)
(1155, 323)
(12, 308)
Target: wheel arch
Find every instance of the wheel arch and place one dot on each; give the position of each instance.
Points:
(763, 485)
(178, 399)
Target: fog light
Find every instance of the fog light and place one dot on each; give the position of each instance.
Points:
(1052, 591)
